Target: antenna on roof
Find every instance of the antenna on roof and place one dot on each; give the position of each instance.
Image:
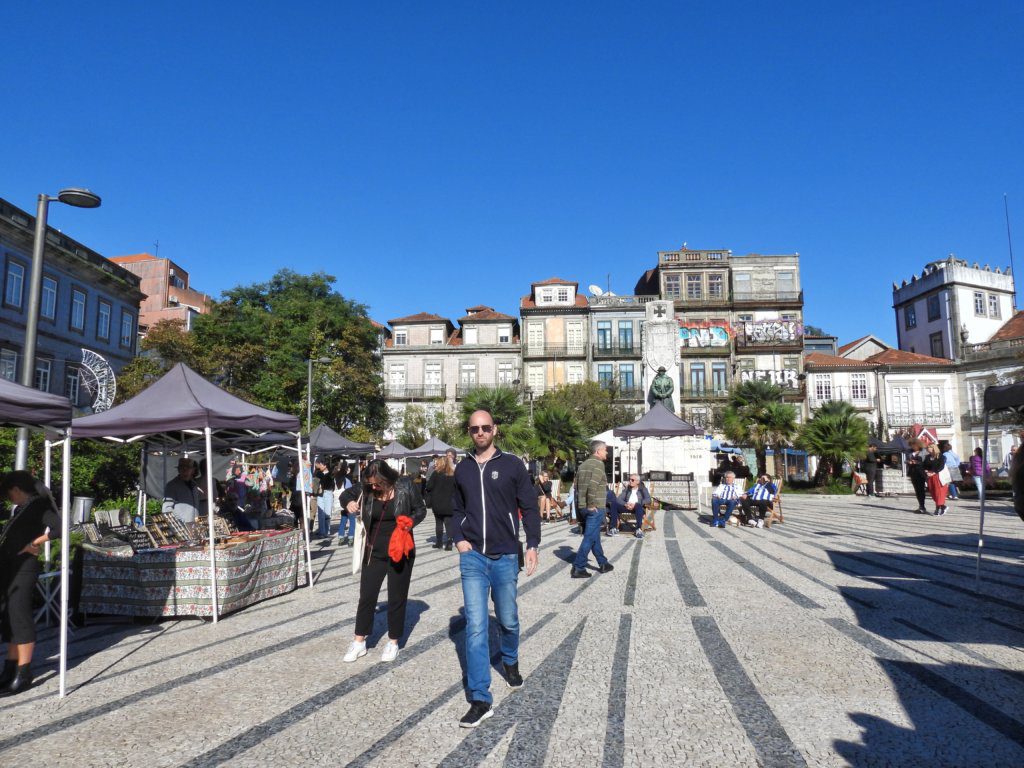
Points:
(595, 290)
(156, 248)
(1009, 243)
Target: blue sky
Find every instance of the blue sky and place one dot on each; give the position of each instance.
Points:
(434, 156)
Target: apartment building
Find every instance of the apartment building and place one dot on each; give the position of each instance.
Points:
(616, 350)
(168, 289)
(555, 319)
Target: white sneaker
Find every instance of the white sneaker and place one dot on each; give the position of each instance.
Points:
(760, 523)
(390, 652)
(752, 523)
(355, 651)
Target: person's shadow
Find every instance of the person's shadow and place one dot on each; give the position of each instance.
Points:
(414, 609)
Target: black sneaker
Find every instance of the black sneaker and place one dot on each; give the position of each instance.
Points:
(478, 712)
(579, 573)
(512, 676)
(606, 568)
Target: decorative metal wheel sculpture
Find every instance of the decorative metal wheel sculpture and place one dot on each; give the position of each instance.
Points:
(98, 379)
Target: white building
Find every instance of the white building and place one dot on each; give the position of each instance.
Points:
(949, 305)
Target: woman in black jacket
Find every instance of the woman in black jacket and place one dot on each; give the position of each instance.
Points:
(440, 488)
(33, 518)
(387, 501)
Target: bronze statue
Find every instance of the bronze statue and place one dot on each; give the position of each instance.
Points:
(661, 390)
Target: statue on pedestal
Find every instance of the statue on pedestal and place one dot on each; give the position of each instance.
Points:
(661, 390)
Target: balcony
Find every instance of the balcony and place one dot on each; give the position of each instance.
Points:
(617, 350)
(927, 419)
(717, 350)
(768, 298)
(721, 300)
(996, 417)
(625, 394)
(991, 350)
(777, 340)
(618, 302)
(703, 393)
(554, 350)
(860, 403)
(464, 389)
(414, 393)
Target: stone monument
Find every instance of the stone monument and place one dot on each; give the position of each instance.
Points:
(661, 353)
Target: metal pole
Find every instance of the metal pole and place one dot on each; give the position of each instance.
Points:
(209, 519)
(47, 460)
(28, 366)
(981, 494)
(65, 563)
(305, 524)
(309, 398)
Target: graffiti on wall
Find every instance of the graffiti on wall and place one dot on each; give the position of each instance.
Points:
(784, 378)
(772, 331)
(705, 333)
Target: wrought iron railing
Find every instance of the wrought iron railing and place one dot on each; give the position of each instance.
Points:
(925, 418)
(414, 393)
(617, 350)
(554, 350)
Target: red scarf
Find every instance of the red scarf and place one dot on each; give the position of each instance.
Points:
(401, 543)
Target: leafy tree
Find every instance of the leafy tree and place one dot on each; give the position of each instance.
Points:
(836, 433)
(814, 330)
(755, 415)
(447, 426)
(514, 430)
(415, 426)
(557, 433)
(592, 405)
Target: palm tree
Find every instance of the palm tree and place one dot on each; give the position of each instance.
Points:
(757, 416)
(557, 433)
(514, 430)
(836, 433)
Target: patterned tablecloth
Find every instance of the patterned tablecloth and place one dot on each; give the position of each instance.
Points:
(177, 583)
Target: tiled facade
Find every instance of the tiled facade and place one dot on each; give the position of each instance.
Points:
(86, 302)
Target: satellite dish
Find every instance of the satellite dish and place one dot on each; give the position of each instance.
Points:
(595, 290)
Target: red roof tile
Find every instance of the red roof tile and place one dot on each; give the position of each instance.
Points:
(477, 308)
(556, 281)
(820, 358)
(419, 317)
(847, 347)
(485, 314)
(902, 357)
(527, 302)
(1011, 329)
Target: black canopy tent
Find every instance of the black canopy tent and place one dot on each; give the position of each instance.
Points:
(658, 422)
(324, 440)
(433, 447)
(393, 450)
(27, 407)
(1007, 397)
(182, 405)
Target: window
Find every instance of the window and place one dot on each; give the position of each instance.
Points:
(535, 378)
(574, 335)
(42, 381)
(626, 335)
(934, 310)
(545, 296)
(575, 373)
(437, 336)
(472, 336)
(563, 295)
(77, 310)
(432, 376)
(719, 377)
(746, 363)
(71, 385)
(741, 282)
(9, 364)
(14, 287)
(788, 317)
(672, 287)
(626, 380)
(604, 334)
(504, 334)
(823, 387)
(396, 379)
(791, 363)
(467, 374)
(48, 299)
(932, 399)
(745, 318)
(604, 375)
(935, 340)
(715, 286)
(698, 381)
(859, 386)
(993, 305)
(127, 330)
(900, 399)
(535, 336)
(103, 321)
(979, 303)
(910, 317)
(694, 287)
(785, 283)
(401, 338)
(506, 372)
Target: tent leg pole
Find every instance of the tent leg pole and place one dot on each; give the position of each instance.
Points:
(65, 564)
(981, 494)
(47, 478)
(209, 520)
(305, 522)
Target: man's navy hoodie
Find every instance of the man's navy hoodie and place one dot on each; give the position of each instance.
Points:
(486, 502)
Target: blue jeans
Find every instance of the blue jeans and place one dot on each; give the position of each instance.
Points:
(324, 505)
(716, 503)
(592, 520)
(347, 522)
(480, 575)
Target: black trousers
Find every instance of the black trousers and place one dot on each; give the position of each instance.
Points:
(870, 470)
(440, 528)
(761, 506)
(16, 623)
(920, 488)
(371, 578)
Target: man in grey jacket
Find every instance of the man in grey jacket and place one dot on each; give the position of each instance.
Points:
(591, 497)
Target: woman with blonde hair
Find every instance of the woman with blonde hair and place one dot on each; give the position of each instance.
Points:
(438, 496)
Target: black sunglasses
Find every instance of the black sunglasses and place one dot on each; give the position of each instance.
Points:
(485, 428)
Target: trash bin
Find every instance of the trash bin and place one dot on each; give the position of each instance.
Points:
(81, 509)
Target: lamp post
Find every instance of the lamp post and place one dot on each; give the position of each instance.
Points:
(309, 389)
(79, 198)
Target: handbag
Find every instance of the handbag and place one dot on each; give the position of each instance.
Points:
(955, 474)
(944, 476)
(358, 541)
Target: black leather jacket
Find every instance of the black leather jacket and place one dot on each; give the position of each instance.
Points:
(408, 501)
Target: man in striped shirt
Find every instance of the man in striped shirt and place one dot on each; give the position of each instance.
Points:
(760, 496)
(725, 493)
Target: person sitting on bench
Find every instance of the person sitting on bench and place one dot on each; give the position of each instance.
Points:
(726, 493)
(634, 499)
(759, 497)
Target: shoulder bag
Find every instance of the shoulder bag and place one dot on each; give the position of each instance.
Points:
(359, 540)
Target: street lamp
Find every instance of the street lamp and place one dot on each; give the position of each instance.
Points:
(309, 389)
(78, 198)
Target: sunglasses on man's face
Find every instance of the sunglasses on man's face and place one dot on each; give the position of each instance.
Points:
(485, 428)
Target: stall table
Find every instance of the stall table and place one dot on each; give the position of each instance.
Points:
(176, 581)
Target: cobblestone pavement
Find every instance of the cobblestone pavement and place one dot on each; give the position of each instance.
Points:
(850, 635)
